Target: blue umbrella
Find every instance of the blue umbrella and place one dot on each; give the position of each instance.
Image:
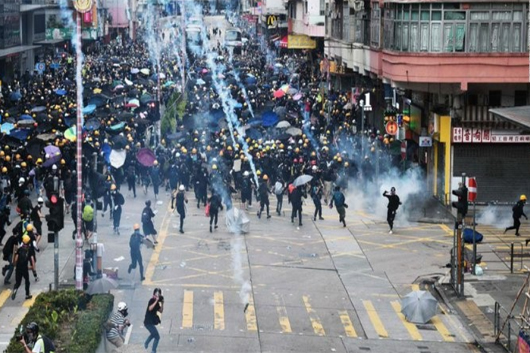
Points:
(26, 117)
(238, 105)
(255, 122)
(15, 96)
(54, 66)
(270, 118)
(60, 92)
(250, 80)
(89, 109)
(118, 126)
(253, 134)
(92, 124)
(106, 149)
(98, 101)
(20, 134)
(6, 128)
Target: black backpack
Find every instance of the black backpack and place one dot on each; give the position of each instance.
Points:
(23, 256)
(7, 251)
(48, 344)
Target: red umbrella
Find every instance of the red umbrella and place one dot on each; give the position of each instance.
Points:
(130, 105)
(279, 93)
(146, 157)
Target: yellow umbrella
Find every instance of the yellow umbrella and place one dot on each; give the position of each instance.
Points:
(97, 90)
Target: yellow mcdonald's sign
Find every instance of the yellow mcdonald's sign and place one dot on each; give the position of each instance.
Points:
(272, 21)
(300, 42)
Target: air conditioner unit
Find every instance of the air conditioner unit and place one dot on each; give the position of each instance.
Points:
(357, 5)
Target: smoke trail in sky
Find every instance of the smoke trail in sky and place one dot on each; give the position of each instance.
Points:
(66, 15)
(151, 36)
(241, 86)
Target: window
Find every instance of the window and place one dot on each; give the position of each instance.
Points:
(375, 25)
(520, 98)
(495, 98)
(39, 23)
(322, 7)
(445, 27)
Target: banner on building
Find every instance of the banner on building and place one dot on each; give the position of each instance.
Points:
(300, 42)
(89, 33)
(473, 135)
(58, 34)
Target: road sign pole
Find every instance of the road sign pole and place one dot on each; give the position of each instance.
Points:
(56, 260)
(474, 239)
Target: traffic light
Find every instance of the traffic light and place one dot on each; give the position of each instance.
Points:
(461, 204)
(55, 219)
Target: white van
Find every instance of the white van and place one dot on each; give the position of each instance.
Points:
(233, 39)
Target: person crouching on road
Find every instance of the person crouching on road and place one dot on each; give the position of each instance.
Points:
(393, 205)
(518, 212)
(340, 204)
(181, 200)
(117, 324)
(135, 243)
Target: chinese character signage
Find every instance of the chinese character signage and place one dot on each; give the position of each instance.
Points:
(473, 135)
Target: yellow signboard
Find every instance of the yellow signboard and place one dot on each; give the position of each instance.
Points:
(300, 42)
(83, 5)
(272, 21)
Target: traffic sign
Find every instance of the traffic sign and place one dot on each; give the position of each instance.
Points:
(472, 189)
(391, 128)
(403, 150)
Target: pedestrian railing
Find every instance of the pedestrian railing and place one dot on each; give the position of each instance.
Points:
(505, 328)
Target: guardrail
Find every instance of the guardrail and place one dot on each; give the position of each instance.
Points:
(507, 338)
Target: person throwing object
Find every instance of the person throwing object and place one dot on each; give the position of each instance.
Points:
(518, 212)
(393, 205)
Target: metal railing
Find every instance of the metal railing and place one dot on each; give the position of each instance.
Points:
(510, 331)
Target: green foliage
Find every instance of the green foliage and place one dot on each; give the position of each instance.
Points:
(175, 108)
(87, 332)
(56, 311)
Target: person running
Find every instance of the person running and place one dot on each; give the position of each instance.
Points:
(22, 263)
(393, 205)
(279, 189)
(117, 201)
(147, 221)
(215, 205)
(181, 200)
(295, 198)
(263, 192)
(517, 213)
(135, 243)
(154, 306)
(316, 196)
(340, 204)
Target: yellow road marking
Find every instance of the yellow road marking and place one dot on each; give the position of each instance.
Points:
(284, 320)
(315, 320)
(411, 328)
(250, 316)
(346, 322)
(446, 335)
(187, 309)
(446, 229)
(374, 318)
(150, 270)
(219, 311)
(6, 293)
(29, 302)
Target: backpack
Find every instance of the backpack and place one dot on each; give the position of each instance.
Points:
(145, 217)
(23, 256)
(88, 213)
(48, 344)
(119, 199)
(7, 251)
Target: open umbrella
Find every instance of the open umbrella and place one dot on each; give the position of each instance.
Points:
(146, 157)
(46, 137)
(237, 221)
(145, 72)
(283, 124)
(297, 96)
(70, 133)
(200, 82)
(293, 131)
(119, 142)
(117, 127)
(15, 96)
(20, 134)
(146, 98)
(101, 285)
(419, 306)
(135, 102)
(117, 158)
(60, 92)
(26, 123)
(250, 80)
(134, 71)
(92, 124)
(89, 109)
(302, 180)
(38, 109)
(253, 134)
(7, 127)
(279, 94)
(269, 118)
(53, 155)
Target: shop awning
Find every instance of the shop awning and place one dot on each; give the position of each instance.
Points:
(50, 41)
(518, 115)
(296, 41)
(284, 43)
(15, 50)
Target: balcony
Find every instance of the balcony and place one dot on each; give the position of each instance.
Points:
(312, 26)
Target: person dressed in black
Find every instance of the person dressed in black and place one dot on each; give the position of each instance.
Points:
(339, 200)
(37, 216)
(393, 205)
(246, 190)
(117, 201)
(154, 306)
(295, 198)
(215, 205)
(147, 221)
(263, 192)
(22, 262)
(518, 212)
(136, 254)
(181, 201)
(316, 196)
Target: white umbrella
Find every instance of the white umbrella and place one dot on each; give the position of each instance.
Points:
(419, 306)
(134, 70)
(302, 179)
(283, 124)
(145, 71)
(294, 131)
(117, 158)
(128, 83)
(101, 285)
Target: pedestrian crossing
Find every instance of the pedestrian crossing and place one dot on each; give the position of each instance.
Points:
(218, 310)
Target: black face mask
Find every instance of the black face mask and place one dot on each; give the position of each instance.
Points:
(125, 312)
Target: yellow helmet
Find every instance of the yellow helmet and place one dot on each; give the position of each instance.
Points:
(4, 169)
(136, 226)
(113, 187)
(63, 162)
(265, 177)
(8, 158)
(522, 198)
(26, 239)
(23, 164)
(155, 162)
(39, 160)
(258, 172)
(2, 153)
(214, 167)
(229, 148)
(29, 227)
(194, 150)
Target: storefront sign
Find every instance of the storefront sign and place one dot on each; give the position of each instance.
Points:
(58, 33)
(469, 135)
(300, 42)
(272, 21)
(425, 141)
(89, 33)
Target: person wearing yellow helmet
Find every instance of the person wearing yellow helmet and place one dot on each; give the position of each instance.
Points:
(517, 213)
(23, 260)
(263, 192)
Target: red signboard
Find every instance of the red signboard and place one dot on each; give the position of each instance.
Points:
(469, 135)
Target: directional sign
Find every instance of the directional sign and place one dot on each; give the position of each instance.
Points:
(272, 21)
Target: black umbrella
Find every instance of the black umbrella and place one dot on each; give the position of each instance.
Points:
(282, 137)
(124, 116)
(43, 127)
(92, 124)
(119, 142)
(254, 134)
(35, 147)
